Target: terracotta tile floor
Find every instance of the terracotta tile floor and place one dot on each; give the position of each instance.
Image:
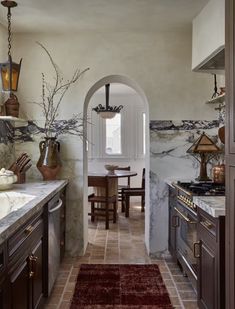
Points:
(122, 243)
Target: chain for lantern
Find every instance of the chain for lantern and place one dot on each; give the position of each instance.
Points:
(9, 30)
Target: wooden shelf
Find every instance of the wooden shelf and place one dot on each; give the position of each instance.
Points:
(217, 100)
(10, 118)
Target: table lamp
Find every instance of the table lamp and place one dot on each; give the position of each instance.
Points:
(203, 149)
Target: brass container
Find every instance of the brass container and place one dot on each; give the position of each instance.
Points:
(218, 173)
(49, 163)
(12, 106)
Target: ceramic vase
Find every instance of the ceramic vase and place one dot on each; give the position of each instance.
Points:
(49, 163)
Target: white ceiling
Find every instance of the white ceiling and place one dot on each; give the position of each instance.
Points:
(102, 15)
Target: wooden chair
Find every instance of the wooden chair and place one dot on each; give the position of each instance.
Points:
(100, 204)
(135, 192)
(121, 187)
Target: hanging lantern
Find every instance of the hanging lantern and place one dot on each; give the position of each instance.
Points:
(10, 71)
(107, 111)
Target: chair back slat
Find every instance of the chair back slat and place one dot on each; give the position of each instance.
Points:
(143, 179)
(98, 182)
(126, 168)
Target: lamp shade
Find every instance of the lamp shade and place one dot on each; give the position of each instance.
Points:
(10, 72)
(107, 115)
(204, 144)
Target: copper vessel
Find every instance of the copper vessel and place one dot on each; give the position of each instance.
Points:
(49, 163)
(218, 173)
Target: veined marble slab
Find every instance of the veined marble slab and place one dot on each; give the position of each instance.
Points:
(213, 205)
(41, 193)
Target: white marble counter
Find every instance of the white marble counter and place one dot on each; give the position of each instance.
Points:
(34, 195)
(213, 205)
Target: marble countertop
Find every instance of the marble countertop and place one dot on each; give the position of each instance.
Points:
(38, 194)
(213, 205)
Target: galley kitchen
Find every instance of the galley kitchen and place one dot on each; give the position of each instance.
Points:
(112, 154)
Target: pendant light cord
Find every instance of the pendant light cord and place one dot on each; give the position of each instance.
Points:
(9, 30)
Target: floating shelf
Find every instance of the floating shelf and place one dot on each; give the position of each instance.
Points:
(219, 99)
(10, 118)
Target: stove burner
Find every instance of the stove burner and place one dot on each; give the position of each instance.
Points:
(204, 188)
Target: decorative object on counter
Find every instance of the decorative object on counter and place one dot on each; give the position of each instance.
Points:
(21, 166)
(49, 163)
(205, 149)
(12, 106)
(107, 111)
(215, 93)
(111, 168)
(1, 110)
(217, 97)
(7, 178)
(221, 134)
(10, 71)
(218, 173)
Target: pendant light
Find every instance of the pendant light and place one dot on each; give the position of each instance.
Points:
(107, 111)
(10, 70)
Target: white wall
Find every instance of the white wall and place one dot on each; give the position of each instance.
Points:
(159, 62)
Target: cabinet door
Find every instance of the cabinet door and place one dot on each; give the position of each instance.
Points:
(4, 297)
(20, 287)
(207, 278)
(36, 260)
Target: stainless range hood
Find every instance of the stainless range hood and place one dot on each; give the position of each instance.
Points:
(215, 63)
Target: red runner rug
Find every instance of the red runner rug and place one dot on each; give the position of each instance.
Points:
(120, 286)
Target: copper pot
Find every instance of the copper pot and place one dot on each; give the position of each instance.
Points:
(218, 173)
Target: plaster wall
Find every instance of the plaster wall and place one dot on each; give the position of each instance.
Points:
(6, 137)
(159, 62)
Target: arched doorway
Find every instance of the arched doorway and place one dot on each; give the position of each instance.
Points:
(132, 84)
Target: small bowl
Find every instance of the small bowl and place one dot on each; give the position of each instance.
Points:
(111, 168)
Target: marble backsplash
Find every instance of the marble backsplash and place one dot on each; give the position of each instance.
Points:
(27, 138)
(7, 153)
(169, 142)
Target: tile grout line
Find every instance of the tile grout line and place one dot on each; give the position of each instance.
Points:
(181, 302)
(105, 248)
(67, 281)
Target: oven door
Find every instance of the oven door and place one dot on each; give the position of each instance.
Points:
(186, 239)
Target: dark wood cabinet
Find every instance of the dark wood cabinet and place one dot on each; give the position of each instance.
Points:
(172, 221)
(211, 268)
(26, 284)
(19, 287)
(23, 261)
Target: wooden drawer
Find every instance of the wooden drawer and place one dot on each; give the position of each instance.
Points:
(208, 223)
(25, 233)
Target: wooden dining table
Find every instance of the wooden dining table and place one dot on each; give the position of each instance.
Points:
(113, 181)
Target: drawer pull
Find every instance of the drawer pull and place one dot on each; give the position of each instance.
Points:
(32, 265)
(28, 230)
(196, 249)
(31, 274)
(207, 224)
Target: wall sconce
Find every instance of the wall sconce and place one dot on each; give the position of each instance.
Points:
(107, 111)
(205, 149)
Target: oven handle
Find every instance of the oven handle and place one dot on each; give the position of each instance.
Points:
(184, 217)
(175, 221)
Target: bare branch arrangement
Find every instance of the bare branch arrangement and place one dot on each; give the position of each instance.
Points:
(52, 96)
